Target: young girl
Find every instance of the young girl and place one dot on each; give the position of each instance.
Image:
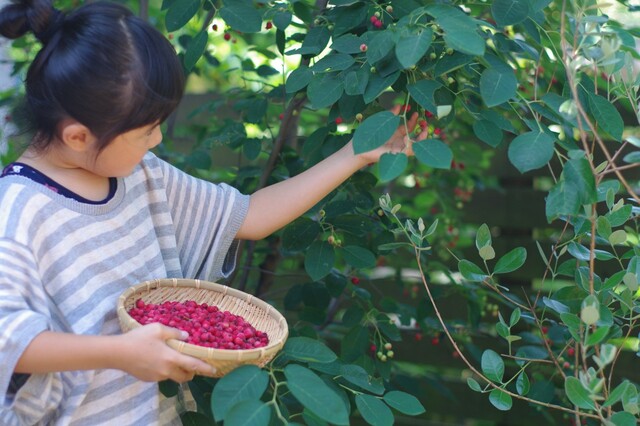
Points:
(88, 211)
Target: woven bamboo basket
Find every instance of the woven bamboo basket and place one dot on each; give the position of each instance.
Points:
(258, 313)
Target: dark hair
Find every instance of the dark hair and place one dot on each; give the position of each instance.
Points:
(100, 65)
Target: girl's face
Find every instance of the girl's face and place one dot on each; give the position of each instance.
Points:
(125, 152)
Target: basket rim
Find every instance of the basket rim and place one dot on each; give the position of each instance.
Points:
(201, 351)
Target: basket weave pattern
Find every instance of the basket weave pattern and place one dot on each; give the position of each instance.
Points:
(259, 314)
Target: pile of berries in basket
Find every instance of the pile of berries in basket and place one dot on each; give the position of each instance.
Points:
(207, 325)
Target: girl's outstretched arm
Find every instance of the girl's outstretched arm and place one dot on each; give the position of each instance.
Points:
(275, 206)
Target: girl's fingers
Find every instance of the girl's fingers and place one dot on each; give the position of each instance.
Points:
(396, 109)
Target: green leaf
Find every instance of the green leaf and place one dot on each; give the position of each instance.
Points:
(623, 418)
(501, 400)
(282, 19)
(422, 91)
(314, 394)
(378, 84)
(590, 310)
(358, 376)
(577, 394)
(300, 234)
(391, 165)
(249, 413)
(461, 31)
(319, 260)
(618, 237)
(192, 418)
(483, 236)
(471, 271)
(348, 43)
(523, 384)
(562, 200)
(603, 226)
(404, 403)
(412, 46)
(616, 394)
(355, 82)
(487, 132)
(607, 116)
(324, 90)
(433, 153)
(497, 85)
(379, 46)
(597, 336)
(531, 151)
(168, 388)
(244, 383)
(487, 253)
(511, 261)
(374, 411)
(241, 17)
(298, 79)
(180, 12)
(473, 384)
(358, 257)
(509, 12)
(515, 317)
(578, 175)
(305, 349)
(334, 62)
(492, 365)
(196, 48)
(375, 131)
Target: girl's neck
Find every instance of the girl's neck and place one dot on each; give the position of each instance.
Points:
(68, 172)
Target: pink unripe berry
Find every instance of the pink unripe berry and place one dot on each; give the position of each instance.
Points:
(363, 47)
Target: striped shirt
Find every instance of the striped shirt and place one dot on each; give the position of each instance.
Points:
(63, 265)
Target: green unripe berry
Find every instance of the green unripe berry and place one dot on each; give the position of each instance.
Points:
(377, 14)
(388, 346)
(449, 51)
(383, 358)
(390, 354)
(373, 70)
(433, 55)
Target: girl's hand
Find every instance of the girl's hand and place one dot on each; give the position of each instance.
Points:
(400, 141)
(143, 352)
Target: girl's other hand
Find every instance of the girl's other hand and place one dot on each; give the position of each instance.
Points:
(400, 141)
(143, 352)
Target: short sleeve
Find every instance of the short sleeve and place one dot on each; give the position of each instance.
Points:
(24, 314)
(206, 217)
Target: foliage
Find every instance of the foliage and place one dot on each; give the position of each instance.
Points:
(552, 82)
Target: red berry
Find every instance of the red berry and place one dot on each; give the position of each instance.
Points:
(214, 27)
(435, 341)
(281, 116)
(206, 325)
(339, 120)
(422, 124)
(566, 365)
(373, 19)
(417, 337)
(571, 352)
(170, 36)
(269, 25)
(355, 280)
(428, 114)
(437, 131)
(227, 36)
(545, 329)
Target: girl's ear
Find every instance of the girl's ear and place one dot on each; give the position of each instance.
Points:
(76, 136)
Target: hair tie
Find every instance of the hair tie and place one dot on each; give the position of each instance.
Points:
(55, 23)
